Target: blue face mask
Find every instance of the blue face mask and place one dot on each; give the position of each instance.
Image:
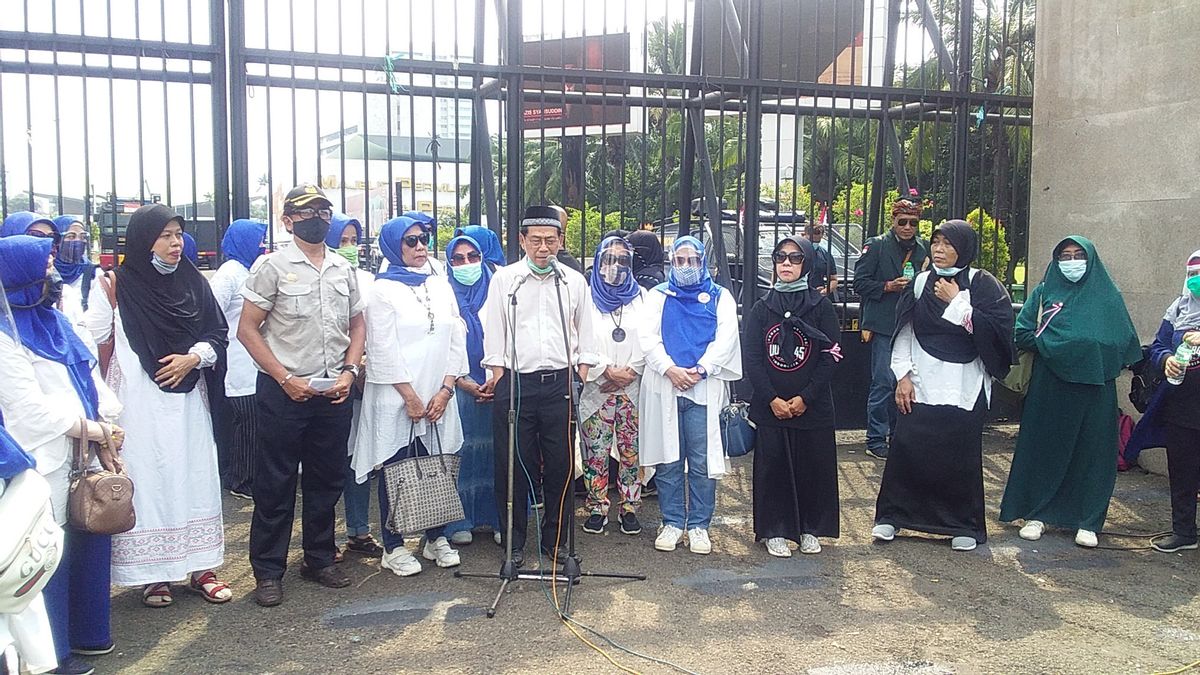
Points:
(468, 274)
(686, 276)
(161, 265)
(800, 284)
(1073, 270)
(947, 271)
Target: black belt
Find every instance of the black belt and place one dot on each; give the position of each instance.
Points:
(543, 375)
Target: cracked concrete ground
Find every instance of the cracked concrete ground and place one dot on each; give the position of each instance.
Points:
(911, 607)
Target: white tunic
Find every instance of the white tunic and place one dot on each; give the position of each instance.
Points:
(539, 323)
(658, 432)
(240, 375)
(401, 349)
(366, 283)
(600, 349)
(938, 382)
(171, 457)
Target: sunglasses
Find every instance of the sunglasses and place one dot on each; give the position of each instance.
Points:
(459, 259)
(907, 222)
(39, 234)
(795, 257)
(615, 259)
(412, 240)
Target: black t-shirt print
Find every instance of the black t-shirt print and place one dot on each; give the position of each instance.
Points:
(787, 362)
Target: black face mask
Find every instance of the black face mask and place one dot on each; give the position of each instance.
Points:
(312, 230)
(51, 291)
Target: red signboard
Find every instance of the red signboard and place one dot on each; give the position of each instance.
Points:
(545, 105)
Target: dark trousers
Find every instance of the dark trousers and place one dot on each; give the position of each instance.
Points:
(313, 433)
(242, 440)
(543, 455)
(1183, 467)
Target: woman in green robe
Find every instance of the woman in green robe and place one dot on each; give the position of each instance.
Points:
(1064, 465)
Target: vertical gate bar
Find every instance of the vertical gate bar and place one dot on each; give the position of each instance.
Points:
(57, 116)
(87, 164)
(229, 94)
(754, 30)
(873, 225)
(958, 193)
(515, 125)
(480, 144)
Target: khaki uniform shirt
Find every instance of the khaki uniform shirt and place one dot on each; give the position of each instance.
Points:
(308, 309)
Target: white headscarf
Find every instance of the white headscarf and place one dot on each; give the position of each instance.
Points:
(1185, 312)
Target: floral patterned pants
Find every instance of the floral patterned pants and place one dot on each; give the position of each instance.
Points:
(615, 421)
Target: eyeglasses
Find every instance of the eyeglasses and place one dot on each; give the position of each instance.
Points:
(459, 259)
(412, 240)
(39, 234)
(1077, 255)
(907, 222)
(794, 257)
(689, 261)
(539, 242)
(305, 214)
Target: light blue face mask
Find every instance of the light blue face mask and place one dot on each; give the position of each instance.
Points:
(686, 276)
(468, 274)
(800, 284)
(161, 265)
(1073, 270)
(947, 271)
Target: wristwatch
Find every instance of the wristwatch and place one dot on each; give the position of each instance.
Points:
(350, 368)
(703, 373)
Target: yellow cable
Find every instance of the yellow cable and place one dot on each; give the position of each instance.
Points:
(1189, 666)
(599, 651)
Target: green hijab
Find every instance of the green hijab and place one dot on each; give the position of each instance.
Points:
(1086, 334)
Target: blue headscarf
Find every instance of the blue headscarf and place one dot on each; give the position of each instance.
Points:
(391, 237)
(608, 298)
(689, 322)
(337, 225)
(190, 250)
(489, 244)
(243, 241)
(470, 301)
(71, 261)
(44, 330)
(13, 459)
(19, 222)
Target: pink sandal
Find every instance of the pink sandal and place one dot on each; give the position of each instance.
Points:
(211, 588)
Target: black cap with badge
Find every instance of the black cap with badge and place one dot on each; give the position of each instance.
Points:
(304, 195)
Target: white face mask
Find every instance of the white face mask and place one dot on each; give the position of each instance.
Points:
(1073, 270)
(947, 271)
(161, 265)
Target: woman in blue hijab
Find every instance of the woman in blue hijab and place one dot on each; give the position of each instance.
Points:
(488, 243)
(608, 406)
(74, 264)
(52, 395)
(692, 350)
(235, 426)
(470, 275)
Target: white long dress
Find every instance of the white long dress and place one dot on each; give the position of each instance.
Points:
(401, 348)
(658, 431)
(171, 457)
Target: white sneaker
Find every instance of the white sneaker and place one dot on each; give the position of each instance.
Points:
(1086, 538)
(778, 547)
(439, 550)
(698, 541)
(401, 562)
(496, 538)
(1032, 531)
(462, 538)
(883, 532)
(809, 544)
(668, 538)
(963, 544)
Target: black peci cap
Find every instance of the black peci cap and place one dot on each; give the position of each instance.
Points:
(541, 216)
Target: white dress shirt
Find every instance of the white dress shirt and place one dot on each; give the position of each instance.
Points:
(538, 324)
(938, 382)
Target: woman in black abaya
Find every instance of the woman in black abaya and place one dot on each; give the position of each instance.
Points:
(954, 333)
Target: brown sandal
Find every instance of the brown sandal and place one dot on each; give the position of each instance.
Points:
(157, 595)
(211, 588)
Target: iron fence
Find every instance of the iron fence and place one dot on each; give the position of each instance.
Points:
(740, 120)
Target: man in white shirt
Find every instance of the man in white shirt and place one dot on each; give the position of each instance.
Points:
(531, 299)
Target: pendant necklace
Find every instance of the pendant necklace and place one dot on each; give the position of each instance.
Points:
(426, 303)
(618, 334)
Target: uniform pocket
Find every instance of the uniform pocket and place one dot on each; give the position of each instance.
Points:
(297, 299)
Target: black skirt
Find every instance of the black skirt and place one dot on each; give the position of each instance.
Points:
(795, 483)
(933, 480)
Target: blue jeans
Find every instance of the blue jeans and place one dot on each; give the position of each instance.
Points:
(701, 490)
(356, 498)
(881, 400)
(394, 540)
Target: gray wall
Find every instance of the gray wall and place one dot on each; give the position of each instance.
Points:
(1116, 141)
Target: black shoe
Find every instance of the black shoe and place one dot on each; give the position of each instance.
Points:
(878, 453)
(518, 558)
(595, 523)
(268, 592)
(1173, 543)
(364, 546)
(551, 556)
(650, 489)
(629, 523)
(74, 666)
(329, 577)
(94, 651)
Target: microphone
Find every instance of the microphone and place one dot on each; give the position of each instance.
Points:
(556, 268)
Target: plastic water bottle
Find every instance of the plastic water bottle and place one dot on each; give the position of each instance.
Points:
(1183, 356)
(909, 271)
